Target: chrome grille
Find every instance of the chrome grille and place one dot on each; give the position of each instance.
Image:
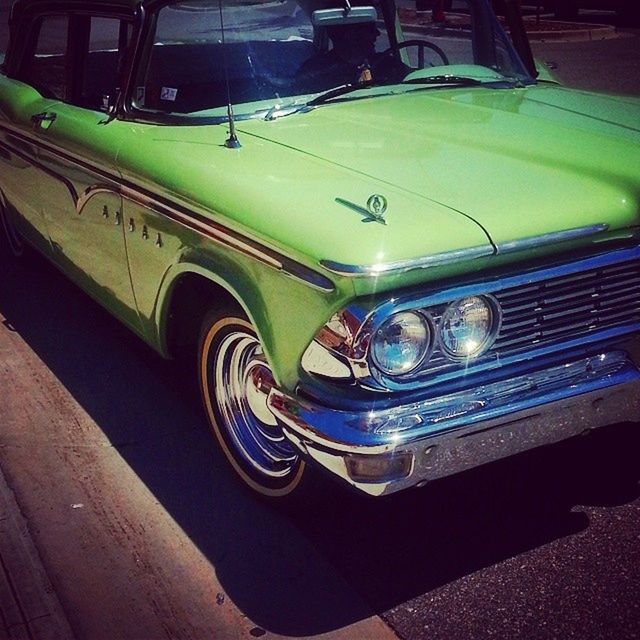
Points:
(556, 310)
(569, 306)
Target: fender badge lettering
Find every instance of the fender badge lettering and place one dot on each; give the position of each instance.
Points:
(374, 211)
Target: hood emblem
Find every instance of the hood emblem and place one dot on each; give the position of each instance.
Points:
(373, 212)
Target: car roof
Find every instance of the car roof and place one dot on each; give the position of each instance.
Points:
(37, 6)
(28, 4)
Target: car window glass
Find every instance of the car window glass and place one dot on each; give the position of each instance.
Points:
(266, 45)
(281, 53)
(46, 68)
(108, 41)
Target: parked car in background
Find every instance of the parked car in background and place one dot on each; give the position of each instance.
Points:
(395, 256)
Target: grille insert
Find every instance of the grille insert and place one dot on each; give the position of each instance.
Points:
(567, 307)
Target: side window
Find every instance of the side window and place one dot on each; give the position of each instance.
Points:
(108, 42)
(46, 68)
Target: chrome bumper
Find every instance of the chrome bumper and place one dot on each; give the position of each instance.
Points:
(410, 444)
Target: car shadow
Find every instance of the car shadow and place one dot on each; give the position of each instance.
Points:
(279, 567)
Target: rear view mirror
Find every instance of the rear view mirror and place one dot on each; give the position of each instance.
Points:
(354, 15)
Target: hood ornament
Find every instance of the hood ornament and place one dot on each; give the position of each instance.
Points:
(374, 210)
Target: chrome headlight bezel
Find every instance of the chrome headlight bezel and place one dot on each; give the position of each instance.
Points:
(347, 337)
(493, 306)
(424, 353)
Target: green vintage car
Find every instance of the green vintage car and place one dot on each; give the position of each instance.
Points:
(397, 254)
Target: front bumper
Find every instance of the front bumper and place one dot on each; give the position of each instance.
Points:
(384, 451)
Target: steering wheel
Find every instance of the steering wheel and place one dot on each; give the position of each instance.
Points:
(422, 45)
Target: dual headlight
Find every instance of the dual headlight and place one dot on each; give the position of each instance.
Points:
(466, 329)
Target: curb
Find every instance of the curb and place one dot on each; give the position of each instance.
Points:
(29, 607)
(594, 32)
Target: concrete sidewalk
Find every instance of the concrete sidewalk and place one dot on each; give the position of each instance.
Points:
(120, 514)
(29, 607)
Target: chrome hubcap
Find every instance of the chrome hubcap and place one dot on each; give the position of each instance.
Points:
(242, 384)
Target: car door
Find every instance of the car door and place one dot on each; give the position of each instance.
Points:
(20, 170)
(77, 145)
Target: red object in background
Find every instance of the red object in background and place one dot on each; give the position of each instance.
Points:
(437, 8)
(437, 13)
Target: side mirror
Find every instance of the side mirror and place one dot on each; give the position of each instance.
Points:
(546, 70)
(354, 15)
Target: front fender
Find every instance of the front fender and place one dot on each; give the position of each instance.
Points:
(285, 312)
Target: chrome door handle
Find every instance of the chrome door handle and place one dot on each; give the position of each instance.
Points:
(43, 120)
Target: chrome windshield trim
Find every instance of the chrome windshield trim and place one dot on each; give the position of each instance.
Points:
(550, 238)
(402, 266)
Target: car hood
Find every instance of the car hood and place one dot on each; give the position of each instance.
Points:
(460, 169)
(520, 163)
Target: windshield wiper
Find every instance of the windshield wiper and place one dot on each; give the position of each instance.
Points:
(459, 81)
(336, 92)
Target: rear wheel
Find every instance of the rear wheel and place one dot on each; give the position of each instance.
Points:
(235, 379)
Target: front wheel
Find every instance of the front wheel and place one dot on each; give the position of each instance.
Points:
(235, 380)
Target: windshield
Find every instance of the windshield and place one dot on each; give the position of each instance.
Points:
(275, 57)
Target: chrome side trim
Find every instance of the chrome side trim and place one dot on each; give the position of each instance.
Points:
(214, 231)
(550, 238)
(402, 266)
(229, 238)
(94, 190)
(207, 229)
(199, 223)
(35, 163)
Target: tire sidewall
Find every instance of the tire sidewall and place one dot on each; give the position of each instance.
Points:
(216, 326)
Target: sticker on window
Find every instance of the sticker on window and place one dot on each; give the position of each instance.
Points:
(140, 95)
(168, 93)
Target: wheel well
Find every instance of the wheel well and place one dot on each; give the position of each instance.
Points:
(192, 297)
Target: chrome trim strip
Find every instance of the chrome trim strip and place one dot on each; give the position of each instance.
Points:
(491, 440)
(208, 229)
(458, 255)
(34, 162)
(214, 230)
(550, 238)
(376, 432)
(402, 266)
(94, 190)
